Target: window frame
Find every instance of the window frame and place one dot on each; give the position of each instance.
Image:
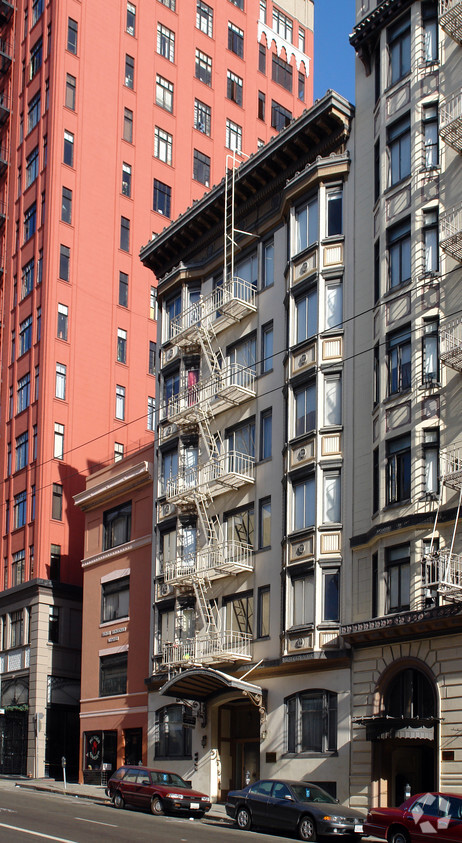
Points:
(328, 720)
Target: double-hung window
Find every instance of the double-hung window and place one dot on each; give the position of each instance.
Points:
(266, 434)
(302, 599)
(233, 136)
(332, 488)
(399, 48)
(240, 526)
(126, 179)
(115, 599)
(123, 289)
(304, 503)
(398, 578)
(430, 133)
(430, 237)
(60, 386)
(113, 675)
(333, 314)
(204, 18)
(71, 84)
(282, 73)
(25, 335)
(201, 168)
(32, 166)
(63, 314)
(163, 143)
(121, 345)
(23, 392)
(305, 409)
(125, 234)
(20, 510)
(399, 469)
(68, 154)
(22, 450)
(332, 400)
(234, 87)
(267, 348)
(57, 502)
(399, 254)
(35, 58)
(169, 468)
(30, 221)
(235, 39)
(334, 220)
(131, 18)
(162, 198)
(430, 30)
(399, 150)
(239, 615)
(66, 205)
(164, 93)
(203, 67)
(120, 402)
(399, 360)
(117, 525)
(430, 364)
(282, 25)
(280, 116)
(202, 117)
(58, 449)
(165, 42)
(27, 278)
(307, 224)
(312, 723)
(129, 71)
(306, 314)
(33, 114)
(431, 458)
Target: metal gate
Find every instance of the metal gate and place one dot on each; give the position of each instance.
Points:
(13, 743)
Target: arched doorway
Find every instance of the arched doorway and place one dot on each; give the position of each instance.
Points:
(404, 737)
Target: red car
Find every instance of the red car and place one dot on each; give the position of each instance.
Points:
(425, 818)
(158, 790)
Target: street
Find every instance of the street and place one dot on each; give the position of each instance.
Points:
(29, 816)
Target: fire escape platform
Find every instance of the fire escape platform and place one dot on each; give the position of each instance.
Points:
(451, 233)
(220, 309)
(451, 121)
(211, 562)
(450, 18)
(443, 572)
(233, 386)
(220, 475)
(228, 646)
(6, 11)
(451, 346)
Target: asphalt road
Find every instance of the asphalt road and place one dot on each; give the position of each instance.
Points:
(29, 817)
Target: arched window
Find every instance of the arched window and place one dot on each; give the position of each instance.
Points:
(410, 694)
(172, 739)
(312, 721)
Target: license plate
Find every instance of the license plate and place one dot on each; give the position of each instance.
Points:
(358, 828)
(194, 806)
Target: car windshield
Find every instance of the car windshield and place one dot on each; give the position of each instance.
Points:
(311, 793)
(168, 778)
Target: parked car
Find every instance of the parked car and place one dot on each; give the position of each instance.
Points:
(158, 790)
(425, 818)
(293, 806)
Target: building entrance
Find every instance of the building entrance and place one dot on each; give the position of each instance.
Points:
(239, 745)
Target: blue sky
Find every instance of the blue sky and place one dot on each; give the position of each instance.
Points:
(333, 54)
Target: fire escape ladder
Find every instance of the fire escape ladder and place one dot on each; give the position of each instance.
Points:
(443, 567)
(201, 585)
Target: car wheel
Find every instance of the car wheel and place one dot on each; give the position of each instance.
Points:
(306, 829)
(243, 818)
(156, 806)
(118, 800)
(398, 835)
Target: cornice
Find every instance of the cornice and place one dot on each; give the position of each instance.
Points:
(131, 478)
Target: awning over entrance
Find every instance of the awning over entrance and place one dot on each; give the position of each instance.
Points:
(201, 683)
(382, 727)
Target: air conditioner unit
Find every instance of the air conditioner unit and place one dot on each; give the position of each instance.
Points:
(166, 510)
(169, 354)
(164, 589)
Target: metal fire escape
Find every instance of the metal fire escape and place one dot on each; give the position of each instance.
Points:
(218, 469)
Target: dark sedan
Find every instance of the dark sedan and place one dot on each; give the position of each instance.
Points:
(293, 806)
(425, 818)
(156, 790)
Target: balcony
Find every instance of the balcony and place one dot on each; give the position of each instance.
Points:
(6, 55)
(3, 159)
(6, 11)
(451, 233)
(227, 304)
(451, 121)
(451, 345)
(451, 468)
(231, 387)
(442, 572)
(211, 562)
(228, 646)
(221, 474)
(4, 107)
(450, 17)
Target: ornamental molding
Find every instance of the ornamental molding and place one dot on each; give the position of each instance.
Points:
(120, 550)
(282, 44)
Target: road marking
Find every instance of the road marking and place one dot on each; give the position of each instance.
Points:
(37, 833)
(83, 820)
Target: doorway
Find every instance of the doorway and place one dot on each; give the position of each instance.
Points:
(238, 744)
(133, 746)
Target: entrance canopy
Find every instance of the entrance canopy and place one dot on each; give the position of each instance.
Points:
(202, 683)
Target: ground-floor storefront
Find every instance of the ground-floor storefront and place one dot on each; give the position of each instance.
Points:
(110, 738)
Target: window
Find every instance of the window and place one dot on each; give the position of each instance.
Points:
(125, 234)
(305, 409)
(333, 305)
(262, 15)
(152, 358)
(377, 164)
(233, 136)
(63, 313)
(334, 224)
(235, 39)
(431, 457)
(399, 469)
(280, 116)
(430, 27)
(238, 3)
(399, 48)
(165, 42)
(268, 264)
(169, 468)
(264, 523)
(301, 86)
(115, 599)
(162, 198)
(71, 84)
(306, 313)
(266, 443)
(201, 168)
(399, 254)
(263, 612)
(282, 72)
(204, 18)
(267, 347)
(68, 156)
(55, 562)
(331, 596)
(430, 131)
(302, 597)
(40, 267)
(17, 618)
(64, 262)
(131, 18)
(37, 10)
(170, 4)
(8, 459)
(123, 289)
(240, 526)
(203, 67)
(239, 613)
(332, 400)
(301, 39)
(36, 395)
(25, 335)
(117, 523)
(234, 88)
(121, 345)
(53, 624)
(20, 510)
(304, 503)
(430, 235)
(23, 393)
(262, 58)
(202, 117)
(35, 58)
(128, 125)
(27, 279)
(164, 93)
(30, 221)
(376, 379)
(332, 493)
(243, 353)
(57, 502)
(172, 739)
(399, 150)
(399, 360)
(32, 503)
(118, 451)
(398, 578)
(58, 448)
(129, 71)
(261, 105)
(312, 722)
(113, 675)
(307, 224)
(163, 142)
(430, 364)
(72, 30)
(282, 25)
(151, 416)
(22, 450)
(66, 207)
(32, 166)
(33, 114)
(120, 402)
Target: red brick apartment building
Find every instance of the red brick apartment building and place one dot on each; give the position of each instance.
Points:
(114, 117)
